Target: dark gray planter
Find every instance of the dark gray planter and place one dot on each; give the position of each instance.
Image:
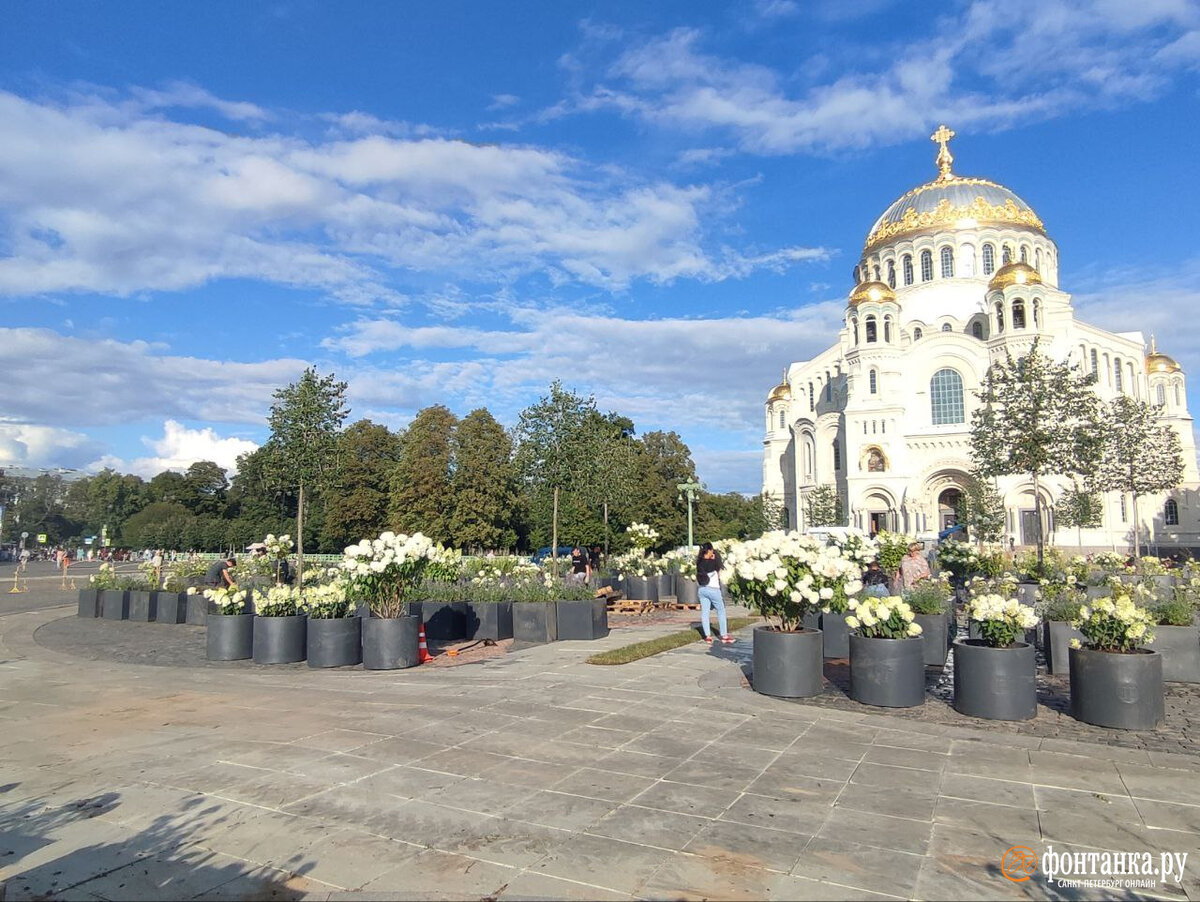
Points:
(811, 620)
(198, 609)
(489, 620)
(230, 637)
(889, 673)
(582, 619)
(535, 621)
(114, 604)
(1027, 593)
(687, 591)
(89, 603)
(935, 635)
(787, 664)
(642, 588)
(835, 635)
(143, 606)
(1056, 642)
(666, 585)
(445, 621)
(995, 683)
(172, 607)
(1180, 650)
(1098, 592)
(1115, 690)
(390, 643)
(334, 642)
(280, 640)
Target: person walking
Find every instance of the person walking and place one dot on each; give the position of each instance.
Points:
(914, 567)
(708, 576)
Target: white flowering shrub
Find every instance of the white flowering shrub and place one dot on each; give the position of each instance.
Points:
(960, 558)
(327, 601)
(784, 574)
(683, 560)
(380, 571)
(882, 618)
(855, 547)
(1111, 561)
(1114, 624)
(1001, 620)
(278, 546)
(636, 563)
(280, 601)
(641, 535)
(228, 599)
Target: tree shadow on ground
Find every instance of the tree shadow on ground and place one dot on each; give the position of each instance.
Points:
(51, 849)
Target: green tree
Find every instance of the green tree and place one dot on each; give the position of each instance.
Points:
(421, 500)
(207, 487)
(257, 504)
(170, 486)
(1080, 508)
(483, 485)
(981, 510)
(734, 516)
(609, 471)
(160, 524)
(356, 503)
(1037, 417)
(112, 499)
(1140, 454)
(663, 463)
(41, 510)
(823, 507)
(305, 421)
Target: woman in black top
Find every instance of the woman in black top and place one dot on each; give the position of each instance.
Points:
(708, 575)
(581, 567)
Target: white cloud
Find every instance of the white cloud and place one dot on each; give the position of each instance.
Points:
(179, 448)
(100, 197)
(27, 444)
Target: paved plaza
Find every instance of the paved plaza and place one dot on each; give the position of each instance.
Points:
(530, 776)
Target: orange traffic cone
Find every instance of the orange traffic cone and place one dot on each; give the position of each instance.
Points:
(422, 648)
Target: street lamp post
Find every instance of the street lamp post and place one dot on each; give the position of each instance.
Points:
(689, 489)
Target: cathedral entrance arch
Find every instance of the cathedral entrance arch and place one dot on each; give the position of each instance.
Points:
(949, 502)
(880, 512)
(944, 493)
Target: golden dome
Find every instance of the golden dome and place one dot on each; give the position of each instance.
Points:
(871, 291)
(781, 392)
(1161, 363)
(1014, 274)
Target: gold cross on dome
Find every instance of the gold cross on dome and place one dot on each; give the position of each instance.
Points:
(944, 158)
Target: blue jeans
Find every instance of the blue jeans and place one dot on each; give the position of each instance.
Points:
(710, 596)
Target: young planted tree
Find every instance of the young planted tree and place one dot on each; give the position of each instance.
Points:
(823, 507)
(981, 510)
(1036, 417)
(306, 420)
(1080, 508)
(421, 497)
(1140, 455)
(484, 484)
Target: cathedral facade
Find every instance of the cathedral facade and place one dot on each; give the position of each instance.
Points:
(955, 274)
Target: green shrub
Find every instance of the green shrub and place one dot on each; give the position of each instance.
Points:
(927, 598)
(1175, 612)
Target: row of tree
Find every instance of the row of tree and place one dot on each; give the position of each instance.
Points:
(566, 473)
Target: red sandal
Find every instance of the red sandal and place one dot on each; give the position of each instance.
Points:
(728, 640)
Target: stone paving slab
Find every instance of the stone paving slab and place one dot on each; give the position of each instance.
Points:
(533, 776)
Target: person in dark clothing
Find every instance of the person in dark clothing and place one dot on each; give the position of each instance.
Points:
(875, 581)
(594, 558)
(708, 576)
(581, 566)
(218, 573)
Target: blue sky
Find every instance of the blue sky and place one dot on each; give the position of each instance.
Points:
(457, 202)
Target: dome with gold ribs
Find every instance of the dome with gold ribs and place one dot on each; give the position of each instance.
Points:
(1160, 363)
(951, 201)
(871, 291)
(781, 392)
(1017, 273)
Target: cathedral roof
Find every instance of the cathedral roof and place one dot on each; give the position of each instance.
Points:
(781, 392)
(871, 291)
(951, 200)
(1157, 362)
(1016, 273)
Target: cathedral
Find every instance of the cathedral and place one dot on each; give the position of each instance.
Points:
(955, 274)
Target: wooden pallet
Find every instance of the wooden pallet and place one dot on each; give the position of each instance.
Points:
(630, 607)
(677, 606)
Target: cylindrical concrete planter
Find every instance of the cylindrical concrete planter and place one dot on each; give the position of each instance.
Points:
(1123, 691)
(1056, 641)
(114, 604)
(1180, 650)
(687, 591)
(489, 620)
(230, 637)
(582, 619)
(171, 607)
(642, 588)
(143, 606)
(787, 664)
(889, 673)
(835, 635)
(280, 640)
(535, 621)
(89, 603)
(811, 620)
(198, 609)
(334, 642)
(995, 683)
(390, 643)
(935, 637)
(666, 585)
(445, 621)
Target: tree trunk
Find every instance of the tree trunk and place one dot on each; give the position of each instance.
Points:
(300, 537)
(606, 529)
(1137, 532)
(554, 531)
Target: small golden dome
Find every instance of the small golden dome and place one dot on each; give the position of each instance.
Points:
(1161, 363)
(871, 291)
(1014, 274)
(781, 392)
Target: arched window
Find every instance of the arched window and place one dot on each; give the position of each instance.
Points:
(1006, 255)
(874, 381)
(926, 265)
(946, 327)
(837, 455)
(1018, 314)
(857, 275)
(808, 457)
(1036, 310)
(1171, 512)
(1162, 396)
(875, 272)
(782, 420)
(977, 329)
(829, 390)
(947, 256)
(1123, 513)
(872, 330)
(999, 318)
(1095, 363)
(1176, 394)
(966, 261)
(989, 259)
(1024, 254)
(891, 273)
(854, 326)
(887, 330)
(1037, 259)
(946, 397)
(917, 333)
(1117, 374)
(906, 264)
(811, 400)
